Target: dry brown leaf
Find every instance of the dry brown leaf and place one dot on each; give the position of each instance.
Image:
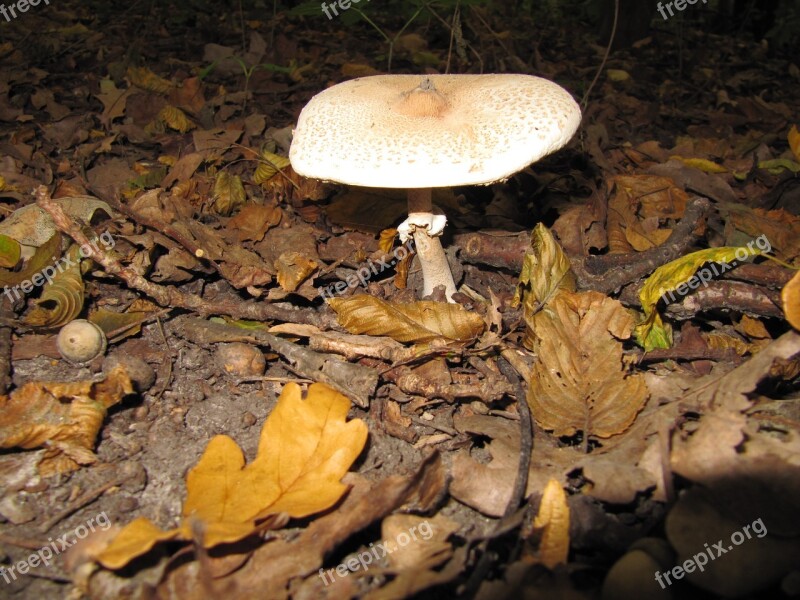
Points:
(790, 298)
(306, 447)
(62, 417)
(293, 268)
(414, 563)
(229, 195)
(553, 522)
(580, 381)
(545, 273)
(639, 203)
(253, 222)
(722, 341)
(422, 321)
(62, 296)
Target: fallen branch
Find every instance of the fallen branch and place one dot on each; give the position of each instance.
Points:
(606, 273)
(173, 297)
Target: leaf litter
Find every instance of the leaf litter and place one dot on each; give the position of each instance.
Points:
(664, 416)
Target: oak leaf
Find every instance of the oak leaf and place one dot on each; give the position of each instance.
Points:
(306, 447)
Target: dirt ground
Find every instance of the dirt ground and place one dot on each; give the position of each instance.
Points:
(143, 106)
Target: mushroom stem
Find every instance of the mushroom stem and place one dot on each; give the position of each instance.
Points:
(432, 259)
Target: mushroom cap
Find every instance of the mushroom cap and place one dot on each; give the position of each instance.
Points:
(421, 131)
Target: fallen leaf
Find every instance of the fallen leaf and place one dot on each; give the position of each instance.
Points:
(306, 447)
(545, 272)
(794, 141)
(10, 252)
(678, 275)
(229, 194)
(790, 299)
(293, 268)
(269, 164)
(64, 418)
(422, 321)
(580, 381)
(253, 222)
(552, 521)
(62, 296)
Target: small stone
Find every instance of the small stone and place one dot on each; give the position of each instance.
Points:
(241, 360)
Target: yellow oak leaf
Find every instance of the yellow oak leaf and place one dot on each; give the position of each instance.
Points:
(306, 447)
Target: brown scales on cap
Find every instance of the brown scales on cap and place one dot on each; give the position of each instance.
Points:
(423, 101)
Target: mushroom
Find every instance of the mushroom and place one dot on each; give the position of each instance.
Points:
(419, 132)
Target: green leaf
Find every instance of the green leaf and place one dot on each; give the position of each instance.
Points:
(10, 252)
(652, 333)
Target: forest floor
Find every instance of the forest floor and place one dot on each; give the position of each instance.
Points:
(665, 455)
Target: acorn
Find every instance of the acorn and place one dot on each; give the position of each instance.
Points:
(81, 341)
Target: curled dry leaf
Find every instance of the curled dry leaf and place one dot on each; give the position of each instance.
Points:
(62, 296)
(552, 521)
(306, 447)
(545, 272)
(418, 322)
(229, 193)
(293, 268)
(580, 380)
(32, 226)
(62, 417)
(44, 256)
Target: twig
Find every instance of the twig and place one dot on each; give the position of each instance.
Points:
(605, 273)
(171, 296)
(6, 314)
(585, 98)
(520, 483)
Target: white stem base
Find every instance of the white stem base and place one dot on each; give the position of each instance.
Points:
(435, 269)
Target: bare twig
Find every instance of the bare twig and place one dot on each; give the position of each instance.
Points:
(6, 314)
(173, 297)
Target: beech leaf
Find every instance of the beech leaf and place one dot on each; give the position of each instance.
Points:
(651, 332)
(580, 381)
(419, 322)
(545, 272)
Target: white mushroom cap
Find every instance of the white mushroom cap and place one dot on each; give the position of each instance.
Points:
(421, 131)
